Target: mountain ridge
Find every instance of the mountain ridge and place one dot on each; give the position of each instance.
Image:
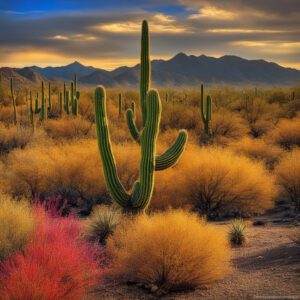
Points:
(180, 70)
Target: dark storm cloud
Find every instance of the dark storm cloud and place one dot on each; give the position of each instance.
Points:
(254, 29)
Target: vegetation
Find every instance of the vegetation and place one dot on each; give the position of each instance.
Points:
(237, 232)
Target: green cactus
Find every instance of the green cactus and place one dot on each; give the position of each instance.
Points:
(133, 106)
(141, 194)
(49, 98)
(43, 108)
(31, 112)
(206, 117)
(75, 95)
(120, 105)
(64, 93)
(37, 109)
(14, 102)
(170, 156)
(293, 96)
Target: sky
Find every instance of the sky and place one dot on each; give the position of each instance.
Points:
(106, 34)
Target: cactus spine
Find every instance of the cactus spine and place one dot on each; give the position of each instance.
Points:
(43, 108)
(140, 197)
(171, 156)
(13, 101)
(206, 117)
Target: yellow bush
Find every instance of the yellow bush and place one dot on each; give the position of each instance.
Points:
(288, 176)
(69, 128)
(173, 250)
(257, 149)
(287, 133)
(16, 225)
(13, 137)
(216, 182)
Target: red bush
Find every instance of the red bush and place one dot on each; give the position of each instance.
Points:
(56, 264)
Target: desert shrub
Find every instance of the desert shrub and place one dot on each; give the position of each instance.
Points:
(101, 223)
(260, 127)
(288, 176)
(217, 182)
(71, 170)
(16, 225)
(278, 95)
(13, 137)
(257, 149)
(69, 128)
(6, 114)
(173, 250)
(56, 264)
(292, 108)
(287, 133)
(237, 232)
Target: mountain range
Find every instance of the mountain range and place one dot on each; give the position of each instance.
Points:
(180, 70)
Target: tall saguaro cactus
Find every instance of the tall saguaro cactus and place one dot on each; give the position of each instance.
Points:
(142, 190)
(171, 156)
(14, 102)
(43, 107)
(75, 95)
(205, 116)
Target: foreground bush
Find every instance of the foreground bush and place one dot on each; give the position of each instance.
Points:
(287, 133)
(288, 176)
(173, 250)
(217, 182)
(54, 265)
(13, 137)
(16, 225)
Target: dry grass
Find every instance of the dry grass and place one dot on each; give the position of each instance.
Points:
(69, 128)
(217, 182)
(288, 176)
(287, 133)
(173, 250)
(13, 137)
(16, 225)
(258, 149)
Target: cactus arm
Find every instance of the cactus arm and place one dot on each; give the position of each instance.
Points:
(144, 187)
(131, 125)
(114, 185)
(145, 70)
(133, 106)
(170, 157)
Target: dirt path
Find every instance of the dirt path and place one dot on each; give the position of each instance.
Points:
(269, 265)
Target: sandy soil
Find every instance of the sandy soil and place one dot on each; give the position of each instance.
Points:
(268, 266)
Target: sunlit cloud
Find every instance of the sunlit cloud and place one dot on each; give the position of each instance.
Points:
(242, 30)
(211, 12)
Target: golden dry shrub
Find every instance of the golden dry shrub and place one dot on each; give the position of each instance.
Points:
(261, 127)
(6, 114)
(72, 170)
(173, 250)
(258, 149)
(69, 128)
(287, 133)
(288, 176)
(16, 225)
(216, 182)
(13, 137)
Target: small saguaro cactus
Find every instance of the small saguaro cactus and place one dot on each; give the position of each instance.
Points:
(139, 198)
(13, 102)
(120, 105)
(37, 109)
(75, 95)
(64, 94)
(293, 96)
(171, 156)
(205, 116)
(43, 108)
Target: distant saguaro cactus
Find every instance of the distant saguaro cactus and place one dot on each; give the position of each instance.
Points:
(75, 95)
(31, 112)
(43, 108)
(49, 98)
(205, 116)
(171, 156)
(120, 105)
(13, 101)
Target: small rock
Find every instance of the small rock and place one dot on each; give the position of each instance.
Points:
(259, 223)
(154, 288)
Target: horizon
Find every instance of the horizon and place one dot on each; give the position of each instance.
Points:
(106, 35)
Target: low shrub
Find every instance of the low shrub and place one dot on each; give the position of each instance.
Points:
(13, 137)
(287, 133)
(288, 176)
(16, 225)
(217, 182)
(172, 250)
(237, 232)
(101, 223)
(56, 264)
(69, 128)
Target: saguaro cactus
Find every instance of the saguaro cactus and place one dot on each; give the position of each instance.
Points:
(13, 101)
(43, 108)
(60, 103)
(31, 112)
(120, 105)
(49, 98)
(171, 156)
(75, 95)
(142, 190)
(67, 106)
(206, 117)
(37, 109)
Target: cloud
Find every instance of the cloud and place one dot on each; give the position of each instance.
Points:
(109, 38)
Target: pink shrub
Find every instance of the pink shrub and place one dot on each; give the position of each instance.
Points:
(56, 264)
